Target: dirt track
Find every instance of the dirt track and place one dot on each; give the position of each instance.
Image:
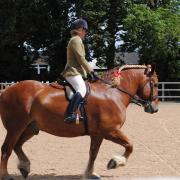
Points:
(156, 150)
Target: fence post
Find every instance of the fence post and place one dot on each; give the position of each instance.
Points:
(163, 93)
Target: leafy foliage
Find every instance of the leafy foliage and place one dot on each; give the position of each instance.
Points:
(105, 19)
(39, 23)
(149, 27)
(155, 35)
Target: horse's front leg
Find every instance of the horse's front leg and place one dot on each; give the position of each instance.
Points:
(118, 137)
(94, 148)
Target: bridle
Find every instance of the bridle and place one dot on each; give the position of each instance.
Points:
(151, 97)
(136, 99)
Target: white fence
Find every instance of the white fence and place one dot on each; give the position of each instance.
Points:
(4, 85)
(164, 92)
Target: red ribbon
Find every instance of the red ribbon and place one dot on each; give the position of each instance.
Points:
(117, 73)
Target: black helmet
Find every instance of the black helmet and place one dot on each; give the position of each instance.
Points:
(79, 23)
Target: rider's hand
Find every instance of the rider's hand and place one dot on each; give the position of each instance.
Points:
(92, 76)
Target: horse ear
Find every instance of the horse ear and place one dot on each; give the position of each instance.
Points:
(150, 69)
(153, 68)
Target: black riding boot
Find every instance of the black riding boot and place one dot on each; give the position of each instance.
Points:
(72, 107)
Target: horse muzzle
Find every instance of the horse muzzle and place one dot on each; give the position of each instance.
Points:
(150, 107)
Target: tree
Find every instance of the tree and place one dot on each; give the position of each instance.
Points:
(151, 29)
(9, 42)
(41, 24)
(105, 19)
(154, 34)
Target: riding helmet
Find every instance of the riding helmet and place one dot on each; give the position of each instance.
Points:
(79, 23)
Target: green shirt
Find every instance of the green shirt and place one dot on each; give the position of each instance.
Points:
(76, 61)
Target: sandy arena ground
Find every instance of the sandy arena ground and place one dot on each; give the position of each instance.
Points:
(156, 153)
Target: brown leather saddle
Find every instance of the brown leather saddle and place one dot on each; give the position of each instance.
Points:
(62, 82)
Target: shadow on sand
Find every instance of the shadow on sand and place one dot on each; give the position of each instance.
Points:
(48, 177)
(53, 177)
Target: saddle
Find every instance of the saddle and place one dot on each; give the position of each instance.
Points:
(62, 82)
(81, 114)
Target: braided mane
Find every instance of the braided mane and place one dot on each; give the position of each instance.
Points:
(132, 66)
(114, 74)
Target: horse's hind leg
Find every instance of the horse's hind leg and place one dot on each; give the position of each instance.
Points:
(94, 148)
(6, 150)
(118, 137)
(24, 163)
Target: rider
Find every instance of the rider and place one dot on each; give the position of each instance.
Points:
(77, 68)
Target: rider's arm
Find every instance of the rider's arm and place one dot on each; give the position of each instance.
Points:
(79, 52)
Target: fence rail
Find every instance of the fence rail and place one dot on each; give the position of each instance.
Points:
(169, 90)
(5, 84)
(165, 89)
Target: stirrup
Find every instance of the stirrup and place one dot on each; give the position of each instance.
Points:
(81, 118)
(71, 118)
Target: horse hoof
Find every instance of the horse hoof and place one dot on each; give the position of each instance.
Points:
(112, 164)
(94, 177)
(24, 173)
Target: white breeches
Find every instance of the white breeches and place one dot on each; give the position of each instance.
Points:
(78, 84)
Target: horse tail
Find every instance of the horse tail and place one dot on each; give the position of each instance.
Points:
(1, 91)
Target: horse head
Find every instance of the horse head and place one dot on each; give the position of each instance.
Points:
(148, 89)
(139, 82)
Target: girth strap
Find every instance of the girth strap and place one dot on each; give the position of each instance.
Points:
(85, 118)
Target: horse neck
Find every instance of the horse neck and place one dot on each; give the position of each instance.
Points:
(129, 81)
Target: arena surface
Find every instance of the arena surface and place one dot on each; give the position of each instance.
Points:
(156, 153)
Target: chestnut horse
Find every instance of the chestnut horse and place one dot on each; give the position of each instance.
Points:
(29, 106)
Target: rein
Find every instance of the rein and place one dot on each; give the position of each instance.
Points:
(137, 100)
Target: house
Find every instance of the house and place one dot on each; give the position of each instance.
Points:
(41, 64)
(124, 57)
(127, 57)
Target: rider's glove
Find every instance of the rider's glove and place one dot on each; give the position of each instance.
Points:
(92, 76)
